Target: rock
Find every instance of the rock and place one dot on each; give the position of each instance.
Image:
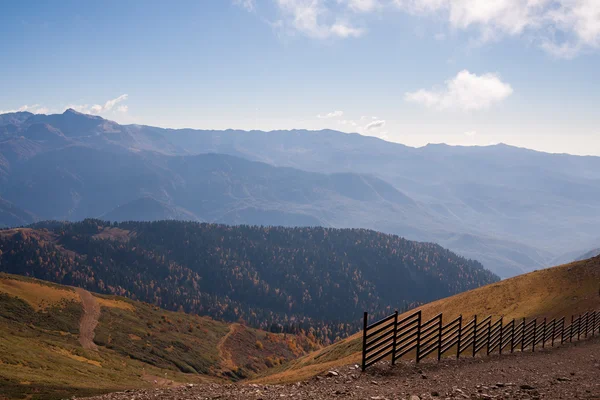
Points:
(563, 379)
(500, 385)
(332, 374)
(413, 397)
(374, 383)
(435, 394)
(423, 376)
(527, 387)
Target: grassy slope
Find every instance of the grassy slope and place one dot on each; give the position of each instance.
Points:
(139, 345)
(554, 292)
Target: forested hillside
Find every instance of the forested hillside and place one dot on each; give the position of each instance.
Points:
(280, 279)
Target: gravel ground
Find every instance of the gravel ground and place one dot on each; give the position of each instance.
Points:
(571, 371)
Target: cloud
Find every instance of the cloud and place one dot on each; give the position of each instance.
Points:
(100, 109)
(333, 114)
(470, 133)
(361, 6)
(343, 31)
(466, 91)
(375, 125)
(313, 18)
(34, 109)
(248, 5)
(564, 28)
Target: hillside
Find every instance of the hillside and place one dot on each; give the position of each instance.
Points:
(514, 210)
(564, 290)
(46, 347)
(279, 279)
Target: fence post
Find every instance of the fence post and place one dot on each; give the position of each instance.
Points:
(523, 337)
(553, 331)
(512, 337)
(571, 329)
(489, 335)
(544, 335)
(418, 336)
(459, 336)
(534, 334)
(364, 352)
(501, 334)
(587, 323)
(474, 334)
(440, 338)
(562, 331)
(579, 328)
(395, 334)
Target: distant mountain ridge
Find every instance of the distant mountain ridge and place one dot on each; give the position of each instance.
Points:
(513, 209)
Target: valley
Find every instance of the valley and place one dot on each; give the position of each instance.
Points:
(284, 280)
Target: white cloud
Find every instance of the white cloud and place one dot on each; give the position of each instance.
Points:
(470, 133)
(333, 114)
(361, 5)
(343, 30)
(466, 91)
(314, 19)
(100, 109)
(249, 5)
(564, 28)
(375, 125)
(34, 109)
(577, 22)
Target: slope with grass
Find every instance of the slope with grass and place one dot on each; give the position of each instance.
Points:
(564, 290)
(46, 349)
(274, 278)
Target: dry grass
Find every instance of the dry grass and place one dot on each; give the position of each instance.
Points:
(39, 296)
(114, 303)
(565, 290)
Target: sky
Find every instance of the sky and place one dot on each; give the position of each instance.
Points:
(462, 72)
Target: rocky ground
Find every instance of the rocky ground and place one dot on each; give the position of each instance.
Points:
(571, 371)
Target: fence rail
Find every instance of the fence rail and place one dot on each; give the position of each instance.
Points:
(396, 338)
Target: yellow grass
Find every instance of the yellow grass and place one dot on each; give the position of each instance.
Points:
(38, 296)
(565, 290)
(111, 303)
(72, 356)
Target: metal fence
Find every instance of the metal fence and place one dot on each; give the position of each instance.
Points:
(396, 338)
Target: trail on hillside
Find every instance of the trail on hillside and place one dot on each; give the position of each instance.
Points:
(224, 354)
(89, 320)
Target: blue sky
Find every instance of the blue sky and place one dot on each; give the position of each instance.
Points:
(470, 72)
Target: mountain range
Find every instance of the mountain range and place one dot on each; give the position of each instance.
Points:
(513, 209)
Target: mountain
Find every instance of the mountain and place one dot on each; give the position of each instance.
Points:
(279, 279)
(11, 215)
(565, 290)
(589, 254)
(513, 209)
(59, 341)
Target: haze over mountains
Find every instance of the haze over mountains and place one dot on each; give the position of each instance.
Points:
(513, 209)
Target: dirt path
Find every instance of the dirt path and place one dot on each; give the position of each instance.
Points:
(225, 356)
(568, 372)
(89, 320)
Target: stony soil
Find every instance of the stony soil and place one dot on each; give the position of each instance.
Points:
(89, 320)
(571, 371)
